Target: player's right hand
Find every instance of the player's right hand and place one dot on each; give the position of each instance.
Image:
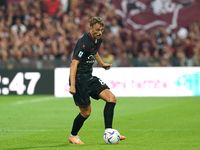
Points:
(72, 90)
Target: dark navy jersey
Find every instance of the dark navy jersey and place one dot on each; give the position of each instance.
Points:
(85, 51)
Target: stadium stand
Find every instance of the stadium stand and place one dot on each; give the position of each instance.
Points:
(41, 34)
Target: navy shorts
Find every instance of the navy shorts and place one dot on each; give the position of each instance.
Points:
(90, 86)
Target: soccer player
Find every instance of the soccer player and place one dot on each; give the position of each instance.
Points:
(83, 85)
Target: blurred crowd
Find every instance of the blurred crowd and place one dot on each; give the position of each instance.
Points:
(42, 34)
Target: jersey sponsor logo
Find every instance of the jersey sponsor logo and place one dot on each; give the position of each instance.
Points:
(91, 59)
(80, 54)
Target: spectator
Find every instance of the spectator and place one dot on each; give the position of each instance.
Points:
(145, 43)
(107, 57)
(196, 56)
(164, 63)
(64, 4)
(141, 61)
(52, 6)
(154, 61)
(114, 27)
(18, 27)
(3, 49)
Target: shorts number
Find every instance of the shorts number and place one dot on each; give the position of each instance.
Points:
(102, 83)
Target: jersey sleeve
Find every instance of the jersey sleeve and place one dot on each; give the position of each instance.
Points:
(80, 49)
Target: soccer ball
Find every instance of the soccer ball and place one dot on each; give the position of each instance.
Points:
(111, 136)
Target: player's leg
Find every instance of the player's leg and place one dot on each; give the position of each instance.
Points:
(80, 119)
(78, 123)
(100, 90)
(111, 100)
(82, 100)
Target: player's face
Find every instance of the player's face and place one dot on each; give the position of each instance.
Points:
(96, 31)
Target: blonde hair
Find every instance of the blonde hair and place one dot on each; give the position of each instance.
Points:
(95, 20)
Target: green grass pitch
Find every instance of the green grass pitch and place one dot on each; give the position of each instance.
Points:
(151, 123)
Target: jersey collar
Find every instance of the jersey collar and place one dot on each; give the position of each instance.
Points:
(92, 38)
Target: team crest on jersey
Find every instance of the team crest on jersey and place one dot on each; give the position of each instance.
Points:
(80, 54)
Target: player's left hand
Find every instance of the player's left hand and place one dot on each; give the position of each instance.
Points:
(106, 66)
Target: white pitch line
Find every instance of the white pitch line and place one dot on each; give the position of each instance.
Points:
(162, 130)
(31, 130)
(34, 100)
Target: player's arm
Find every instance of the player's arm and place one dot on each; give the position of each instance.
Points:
(106, 66)
(77, 56)
(73, 69)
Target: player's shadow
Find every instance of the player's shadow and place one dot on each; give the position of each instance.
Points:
(54, 146)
